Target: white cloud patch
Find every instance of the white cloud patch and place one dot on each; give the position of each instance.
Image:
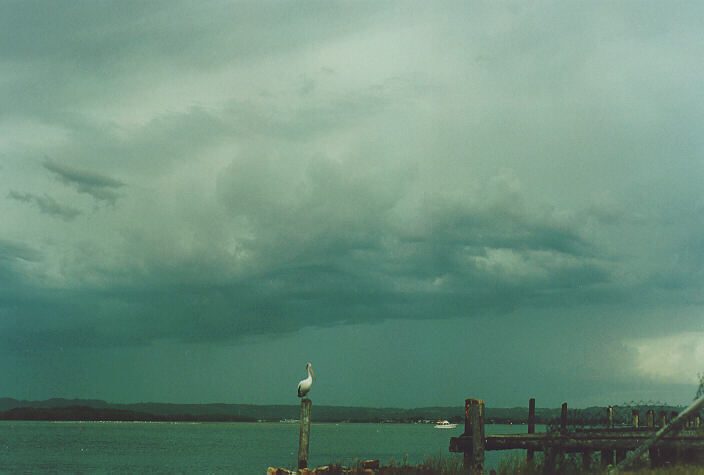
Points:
(676, 358)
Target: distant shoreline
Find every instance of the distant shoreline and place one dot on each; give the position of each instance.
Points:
(98, 410)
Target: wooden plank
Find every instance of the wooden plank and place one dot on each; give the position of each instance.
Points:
(621, 431)
(568, 443)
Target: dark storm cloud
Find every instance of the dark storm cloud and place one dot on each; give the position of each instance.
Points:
(298, 165)
(46, 205)
(100, 187)
(333, 254)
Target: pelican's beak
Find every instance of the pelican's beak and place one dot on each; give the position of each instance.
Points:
(311, 372)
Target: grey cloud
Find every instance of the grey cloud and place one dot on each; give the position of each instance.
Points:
(15, 257)
(329, 243)
(319, 165)
(100, 46)
(12, 250)
(100, 187)
(46, 205)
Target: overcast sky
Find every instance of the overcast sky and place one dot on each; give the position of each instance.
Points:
(428, 201)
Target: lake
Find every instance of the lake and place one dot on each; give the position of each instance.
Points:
(241, 448)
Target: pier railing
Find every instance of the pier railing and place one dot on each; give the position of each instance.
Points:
(684, 442)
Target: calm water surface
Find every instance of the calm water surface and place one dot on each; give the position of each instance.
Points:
(241, 448)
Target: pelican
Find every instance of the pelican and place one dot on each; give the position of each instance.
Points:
(305, 384)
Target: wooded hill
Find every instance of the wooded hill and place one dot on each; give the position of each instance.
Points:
(90, 409)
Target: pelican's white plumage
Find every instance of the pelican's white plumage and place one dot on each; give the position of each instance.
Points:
(305, 384)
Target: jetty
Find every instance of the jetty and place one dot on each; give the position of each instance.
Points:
(666, 438)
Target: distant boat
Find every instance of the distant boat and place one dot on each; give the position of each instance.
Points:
(445, 425)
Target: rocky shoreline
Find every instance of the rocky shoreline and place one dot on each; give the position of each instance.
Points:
(368, 467)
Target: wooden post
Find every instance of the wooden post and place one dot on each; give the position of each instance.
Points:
(674, 455)
(555, 457)
(474, 428)
(652, 452)
(531, 425)
(663, 418)
(305, 433)
(621, 453)
(563, 417)
(607, 456)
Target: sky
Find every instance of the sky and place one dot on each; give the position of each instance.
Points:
(429, 201)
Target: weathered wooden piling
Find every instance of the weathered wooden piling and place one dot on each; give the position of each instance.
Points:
(474, 428)
(304, 438)
(554, 457)
(621, 453)
(607, 456)
(531, 425)
(653, 453)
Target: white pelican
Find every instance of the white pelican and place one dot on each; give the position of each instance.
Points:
(305, 384)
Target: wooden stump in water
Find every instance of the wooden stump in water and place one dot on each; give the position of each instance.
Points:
(304, 438)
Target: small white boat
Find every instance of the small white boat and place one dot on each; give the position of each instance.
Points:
(445, 425)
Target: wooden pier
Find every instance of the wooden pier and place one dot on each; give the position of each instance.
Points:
(612, 443)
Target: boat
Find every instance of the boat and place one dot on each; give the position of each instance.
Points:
(445, 425)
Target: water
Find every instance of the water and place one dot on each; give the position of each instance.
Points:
(241, 448)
